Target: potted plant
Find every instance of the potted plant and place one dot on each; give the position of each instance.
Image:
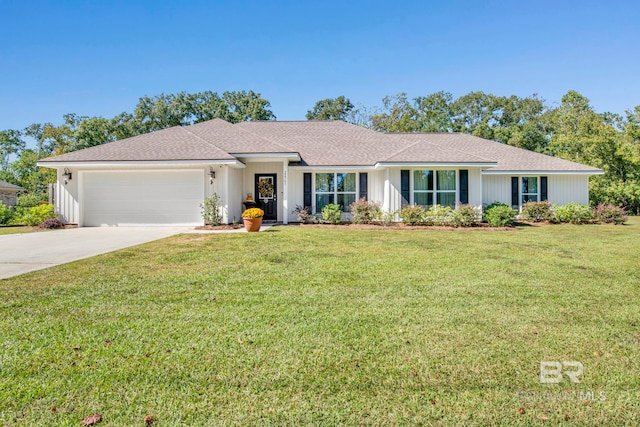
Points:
(252, 218)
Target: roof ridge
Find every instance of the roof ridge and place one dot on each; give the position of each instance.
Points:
(435, 145)
(263, 137)
(205, 141)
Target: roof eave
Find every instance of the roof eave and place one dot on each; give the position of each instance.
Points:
(140, 163)
(542, 172)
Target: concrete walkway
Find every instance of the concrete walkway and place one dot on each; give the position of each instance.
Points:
(22, 253)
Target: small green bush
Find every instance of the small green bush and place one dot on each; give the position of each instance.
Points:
(331, 214)
(34, 215)
(30, 200)
(211, 210)
(364, 212)
(6, 214)
(500, 215)
(385, 218)
(466, 216)
(610, 214)
(573, 213)
(440, 215)
(413, 215)
(537, 211)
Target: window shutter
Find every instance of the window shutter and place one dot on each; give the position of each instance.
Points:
(543, 189)
(363, 186)
(464, 186)
(308, 192)
(404, 187)
(514, 192)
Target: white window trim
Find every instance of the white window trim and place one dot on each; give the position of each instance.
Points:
(435, 191)
(335, 192)
(521, 198)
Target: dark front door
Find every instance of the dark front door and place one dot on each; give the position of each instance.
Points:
(266, 195)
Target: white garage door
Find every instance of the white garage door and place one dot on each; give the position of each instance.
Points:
(116, 198)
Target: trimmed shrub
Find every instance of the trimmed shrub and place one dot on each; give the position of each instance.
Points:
(500, 215)
(537, 211)
(331, 214)
(439, 215)
(573, 213)
(6, 214)
(33, 216)
(210, 210)
(466, 216)
(364, 212)
(385, 218)
(610, 214)
(52, 224)
(30, 200)
(413, 215)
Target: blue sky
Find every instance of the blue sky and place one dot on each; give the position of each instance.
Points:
(98, 58)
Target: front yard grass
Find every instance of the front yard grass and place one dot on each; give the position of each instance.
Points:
(19, 229)
(331, 327)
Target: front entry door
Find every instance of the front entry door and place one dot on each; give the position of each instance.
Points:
(266, 194)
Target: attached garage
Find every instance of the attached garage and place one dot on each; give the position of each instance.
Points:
(141, 198)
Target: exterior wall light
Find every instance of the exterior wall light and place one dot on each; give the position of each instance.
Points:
(67, 176)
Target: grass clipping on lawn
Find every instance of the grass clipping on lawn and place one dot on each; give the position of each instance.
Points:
(319, 326)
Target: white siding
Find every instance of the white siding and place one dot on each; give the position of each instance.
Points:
(375, 180)
(235, 196)
(66, 198)
(296, 192)
(563, 189)
(496, 188)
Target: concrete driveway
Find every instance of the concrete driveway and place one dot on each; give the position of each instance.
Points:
(21, 253)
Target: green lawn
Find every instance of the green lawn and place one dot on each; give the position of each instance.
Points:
(19, 230)
(307, 326)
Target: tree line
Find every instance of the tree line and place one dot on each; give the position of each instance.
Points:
(571, 130)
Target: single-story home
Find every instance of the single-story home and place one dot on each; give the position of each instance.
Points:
(161, 178)
(9, 193)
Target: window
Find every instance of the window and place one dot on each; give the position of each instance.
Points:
(339, 188)
(529, 189)
(434, 187)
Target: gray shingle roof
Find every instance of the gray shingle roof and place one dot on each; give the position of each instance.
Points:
(319, 143)
(4, 185)
(509, 158)
(174, 143)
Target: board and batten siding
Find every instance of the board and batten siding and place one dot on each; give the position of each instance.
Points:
(66, 198)
(296, 193)
(496, 188)
(561, 189)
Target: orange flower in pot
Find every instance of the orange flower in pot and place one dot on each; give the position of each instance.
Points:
(252, 218)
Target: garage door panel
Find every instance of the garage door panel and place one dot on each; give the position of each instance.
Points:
(143, 198)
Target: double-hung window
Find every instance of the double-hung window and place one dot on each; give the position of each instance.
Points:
(339, 188)
(529, 189)
(434, 187)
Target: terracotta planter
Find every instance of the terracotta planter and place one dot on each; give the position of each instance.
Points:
(252, 224)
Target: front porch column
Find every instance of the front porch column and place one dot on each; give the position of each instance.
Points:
(285, 192)
(386, 200)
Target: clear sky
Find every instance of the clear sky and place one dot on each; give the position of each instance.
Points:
(97, 58)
